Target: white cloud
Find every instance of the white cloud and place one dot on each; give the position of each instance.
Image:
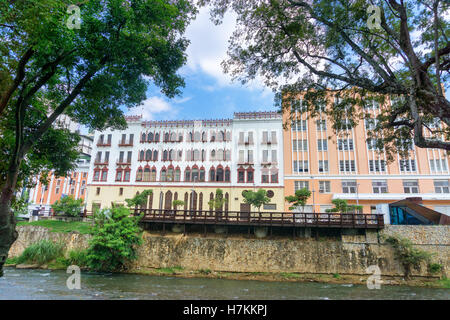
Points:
(154, 107)
(208, 48)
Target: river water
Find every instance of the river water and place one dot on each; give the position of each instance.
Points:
(45, 284)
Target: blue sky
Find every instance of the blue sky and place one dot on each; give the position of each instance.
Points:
(209, 92)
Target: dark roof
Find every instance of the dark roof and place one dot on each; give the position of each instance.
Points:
(433, 216)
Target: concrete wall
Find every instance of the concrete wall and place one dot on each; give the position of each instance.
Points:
(352, 255)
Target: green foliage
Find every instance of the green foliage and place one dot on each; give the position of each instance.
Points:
(256, 199)
(19, 205)
(78, 258)
(60, 226)
(139, 199)
(299, 199)
(68, 206)
(407, 255)
(330, 46)
(177, 203)
(435, 267)
(218, 201)
(336, 275)
(115, 236)
(205, 271)
(341, 206)
(41, 252)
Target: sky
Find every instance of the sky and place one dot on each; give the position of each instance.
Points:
(209, 92)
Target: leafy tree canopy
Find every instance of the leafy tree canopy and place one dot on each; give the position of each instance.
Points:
(341, 206)
(256, 198)
(340, 49)
(139, 199)
(68, 206)
(299, 198)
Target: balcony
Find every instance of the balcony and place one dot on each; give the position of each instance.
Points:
(123, 162)
(99, 162)
(269, 142)
(125, 144)
(104, 144)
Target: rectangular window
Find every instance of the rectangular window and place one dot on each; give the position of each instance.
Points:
(106, 156)
(109, 138)
(265, 136)
(274, 156)
(99, 157)
(322, 145)
(120, 191)
(323, 165)
(241, 156)
(301, 185)
(321, 125)
(250, 156)
(324, 187)
(345, 144)
(265, 177)
(119, 175)
(57, 190)
(121, 157)
(300, 166)
(299, 125)
(441, 186)
(241, 137)
(124, 138)
(438, 165)
(300, 145)
(270, 206)
(410, 186)
(250, 137)
(377, 166)
(273, 137)
(407, 165)
(104, 175)
(347, 166)
(349, 186)
(96, 175)
(241, 176)
(129, 156)
(265, 156)
(379, 186)
(97, 191)
(249, 176)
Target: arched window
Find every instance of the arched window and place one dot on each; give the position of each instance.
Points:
(166, 137)
(227, 198)
(202, 174)
(168, 201)
(194, 176)
(156, 137)
(200, 201)
(250, 175)
(177, 174)
(211, 197)
(147, 174)
(153, 176)
(186, 198)
(227, 174)
(126, 175)
(170, 174)
(96, 174)
(212, 174)
(150, 201)
(180, 137)
(274, 175)
(161, 198)
(213, 155)
(155, 155)
(203, 155)
(213, 136)
(228, 136)
(148, 155)
(163, 176)
(143, 137)
(196, 155)
(190, 137)
(165, 155)
(228, 155)
(142, 155)
(187, 174)
(221, 136)
(139, 175)
(171, 155)
(150, 137)
(220, 154)
(119, 175)
(197, 136)
(204, 138)
(173, 137)
(219, 174)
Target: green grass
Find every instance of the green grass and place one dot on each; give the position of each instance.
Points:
(41, 252)
(12, 260)
(336, 275)
(290, 275)
(60, 226)
(445, 283)
(170, 270)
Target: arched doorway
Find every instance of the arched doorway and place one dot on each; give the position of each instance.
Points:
(168, 201)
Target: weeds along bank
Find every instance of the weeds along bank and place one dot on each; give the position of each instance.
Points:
(351, 255)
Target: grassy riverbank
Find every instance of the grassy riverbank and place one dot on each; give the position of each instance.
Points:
(60, 226)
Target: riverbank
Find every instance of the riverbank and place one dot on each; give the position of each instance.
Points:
(237, 257)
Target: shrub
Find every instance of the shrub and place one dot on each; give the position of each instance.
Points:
(115, 236)
(68, 206)
(407, 255)
(78, 258)
(434, 267)
(41, 252)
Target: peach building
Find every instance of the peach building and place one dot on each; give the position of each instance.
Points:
(347, 167)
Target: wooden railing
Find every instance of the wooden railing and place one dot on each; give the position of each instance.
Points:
(283, 219)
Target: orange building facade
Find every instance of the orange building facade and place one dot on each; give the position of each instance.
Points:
(347, 167)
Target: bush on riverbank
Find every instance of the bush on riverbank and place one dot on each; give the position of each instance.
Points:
(60, 226)
(41, 252)
(115, 236)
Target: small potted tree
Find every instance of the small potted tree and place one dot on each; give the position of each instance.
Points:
(299, 199)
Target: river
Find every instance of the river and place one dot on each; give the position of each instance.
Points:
(19, 284)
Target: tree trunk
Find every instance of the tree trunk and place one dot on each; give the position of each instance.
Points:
(8, 233)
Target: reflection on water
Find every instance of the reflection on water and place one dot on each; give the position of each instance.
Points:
(45, 284)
